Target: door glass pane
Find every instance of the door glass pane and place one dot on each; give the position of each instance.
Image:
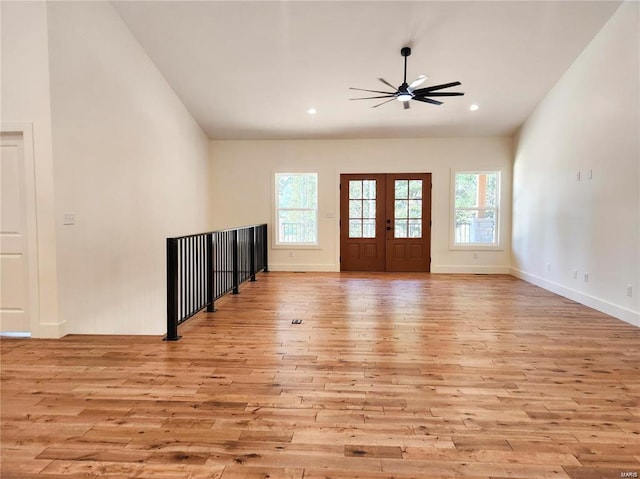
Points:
(415, 189)
(362, 208)
(369, 209)
(402, 189)
(415, 228)
(400, 229)
(369, 189)
(355, 189)
(355, 208)
(408, 209)
(368, 228)
(415, 209)
(355, 228)
(401, 209)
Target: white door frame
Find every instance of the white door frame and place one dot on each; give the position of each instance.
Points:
(26, 130)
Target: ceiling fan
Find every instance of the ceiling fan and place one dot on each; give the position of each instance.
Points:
(407, 92)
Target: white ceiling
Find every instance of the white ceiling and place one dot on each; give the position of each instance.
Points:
(250, 70)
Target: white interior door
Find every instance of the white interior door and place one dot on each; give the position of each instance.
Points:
(14, 270)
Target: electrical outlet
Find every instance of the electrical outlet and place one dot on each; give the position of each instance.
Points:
(578, 176)
(549, 267)
(291, 254)
(475, 255)
(586, 277)
(575, 274)
(629, 290)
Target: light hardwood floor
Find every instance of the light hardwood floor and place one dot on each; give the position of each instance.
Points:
(389, 376)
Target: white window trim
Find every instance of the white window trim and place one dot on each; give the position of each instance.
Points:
(277, 244)
(498, 246)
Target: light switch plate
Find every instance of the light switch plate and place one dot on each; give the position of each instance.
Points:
(69, 219)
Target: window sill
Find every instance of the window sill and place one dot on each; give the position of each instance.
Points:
(296, 246)
(476, 247)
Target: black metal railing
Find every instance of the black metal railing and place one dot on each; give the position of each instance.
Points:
(202, 268)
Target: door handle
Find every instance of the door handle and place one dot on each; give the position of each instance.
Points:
(389, 228)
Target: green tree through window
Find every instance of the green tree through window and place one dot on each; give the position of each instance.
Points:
(297, 208)
(476, 204)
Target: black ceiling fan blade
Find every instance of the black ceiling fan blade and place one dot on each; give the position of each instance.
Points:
(427, 100)
(373, 91)
(380, 104)
(443, 93)
(372, 97)
(387, 83)
(428, 89)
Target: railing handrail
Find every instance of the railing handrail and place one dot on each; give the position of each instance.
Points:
(203, 267)
(216, 231)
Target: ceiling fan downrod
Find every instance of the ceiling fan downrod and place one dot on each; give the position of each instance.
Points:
(405, 52)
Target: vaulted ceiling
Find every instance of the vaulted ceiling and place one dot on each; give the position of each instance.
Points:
(251, 70)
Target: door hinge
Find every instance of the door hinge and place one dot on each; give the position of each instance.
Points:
(430, 223)
(340, 259)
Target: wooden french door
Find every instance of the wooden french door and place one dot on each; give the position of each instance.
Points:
(385, 222)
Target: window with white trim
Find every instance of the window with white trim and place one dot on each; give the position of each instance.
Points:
(476, 199)
(297, 208)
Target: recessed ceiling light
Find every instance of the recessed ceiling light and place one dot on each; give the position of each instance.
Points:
(312, 111)
(474, 107)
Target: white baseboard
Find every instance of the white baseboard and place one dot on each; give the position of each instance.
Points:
(311, 268)
(49, 330)
(624, 314)
(470, 269)
(434, 269)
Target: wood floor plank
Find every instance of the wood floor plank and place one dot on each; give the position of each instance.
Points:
(389, 376)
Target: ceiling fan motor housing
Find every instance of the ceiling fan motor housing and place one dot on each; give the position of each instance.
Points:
(405, 52)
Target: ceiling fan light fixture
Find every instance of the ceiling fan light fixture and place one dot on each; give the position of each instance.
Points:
(404, 97)
(474, 107)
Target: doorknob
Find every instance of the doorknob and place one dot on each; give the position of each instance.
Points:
(389, 228)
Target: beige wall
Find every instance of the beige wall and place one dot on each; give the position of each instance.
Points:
(130, 162)
(588, 124)
(25, 102)
(242, 187)
(111, 143)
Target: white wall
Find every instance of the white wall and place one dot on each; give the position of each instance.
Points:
(587, 124)
(25, 102)
(130, 162)
(243, 175)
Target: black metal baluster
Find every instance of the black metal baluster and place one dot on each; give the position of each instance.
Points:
(234, 242)
(265, 257)
(209, 272)
(204, 267)
(200, 257)
(172, 290)
(252, 253)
